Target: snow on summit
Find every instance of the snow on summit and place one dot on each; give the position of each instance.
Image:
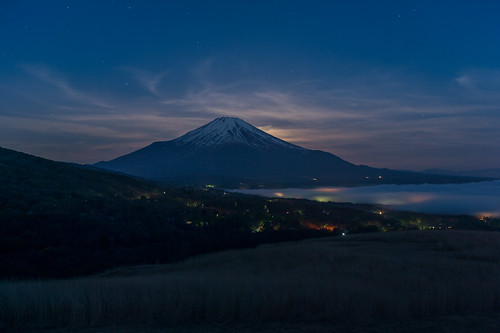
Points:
(229, 130)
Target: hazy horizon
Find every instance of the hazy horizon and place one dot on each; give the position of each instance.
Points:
(476, 199)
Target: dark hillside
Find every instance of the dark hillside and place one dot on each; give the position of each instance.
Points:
(33, 177)
(61, 220)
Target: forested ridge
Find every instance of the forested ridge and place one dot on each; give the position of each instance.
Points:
(61, 220)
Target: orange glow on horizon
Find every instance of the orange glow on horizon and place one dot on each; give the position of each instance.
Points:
(329, 189)
(418, 198)
(482, 215)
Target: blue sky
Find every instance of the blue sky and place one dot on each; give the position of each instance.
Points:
(397, 84)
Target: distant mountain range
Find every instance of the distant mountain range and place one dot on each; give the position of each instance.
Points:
(231, 152)
(486, 173)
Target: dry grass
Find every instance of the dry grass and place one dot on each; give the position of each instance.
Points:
(357, 280)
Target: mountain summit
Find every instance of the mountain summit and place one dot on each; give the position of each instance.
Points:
(229, 130)
(232, 153)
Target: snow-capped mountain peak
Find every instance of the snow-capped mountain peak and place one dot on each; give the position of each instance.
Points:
(230, 152)
(229, 130)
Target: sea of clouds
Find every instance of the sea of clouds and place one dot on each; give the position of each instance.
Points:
(478, 199)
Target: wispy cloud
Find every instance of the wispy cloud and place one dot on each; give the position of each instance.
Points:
(49, 76)
(382, 120)
(150, 81)
(379, 118)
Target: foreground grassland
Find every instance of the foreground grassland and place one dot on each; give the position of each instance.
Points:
(432, 281)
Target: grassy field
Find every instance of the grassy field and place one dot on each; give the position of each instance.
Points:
(432, 281)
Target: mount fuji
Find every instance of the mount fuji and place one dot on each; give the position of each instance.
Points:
(231, 152)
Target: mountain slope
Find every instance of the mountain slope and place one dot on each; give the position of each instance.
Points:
(231, 152)
(35, 177)
(487, 173)
(59, 219)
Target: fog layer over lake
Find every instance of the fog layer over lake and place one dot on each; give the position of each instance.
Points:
(479, 199)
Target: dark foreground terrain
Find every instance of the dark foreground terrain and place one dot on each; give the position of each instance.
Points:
(412, 281)
(59, 220)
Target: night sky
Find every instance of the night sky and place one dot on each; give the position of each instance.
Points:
(397, 84)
